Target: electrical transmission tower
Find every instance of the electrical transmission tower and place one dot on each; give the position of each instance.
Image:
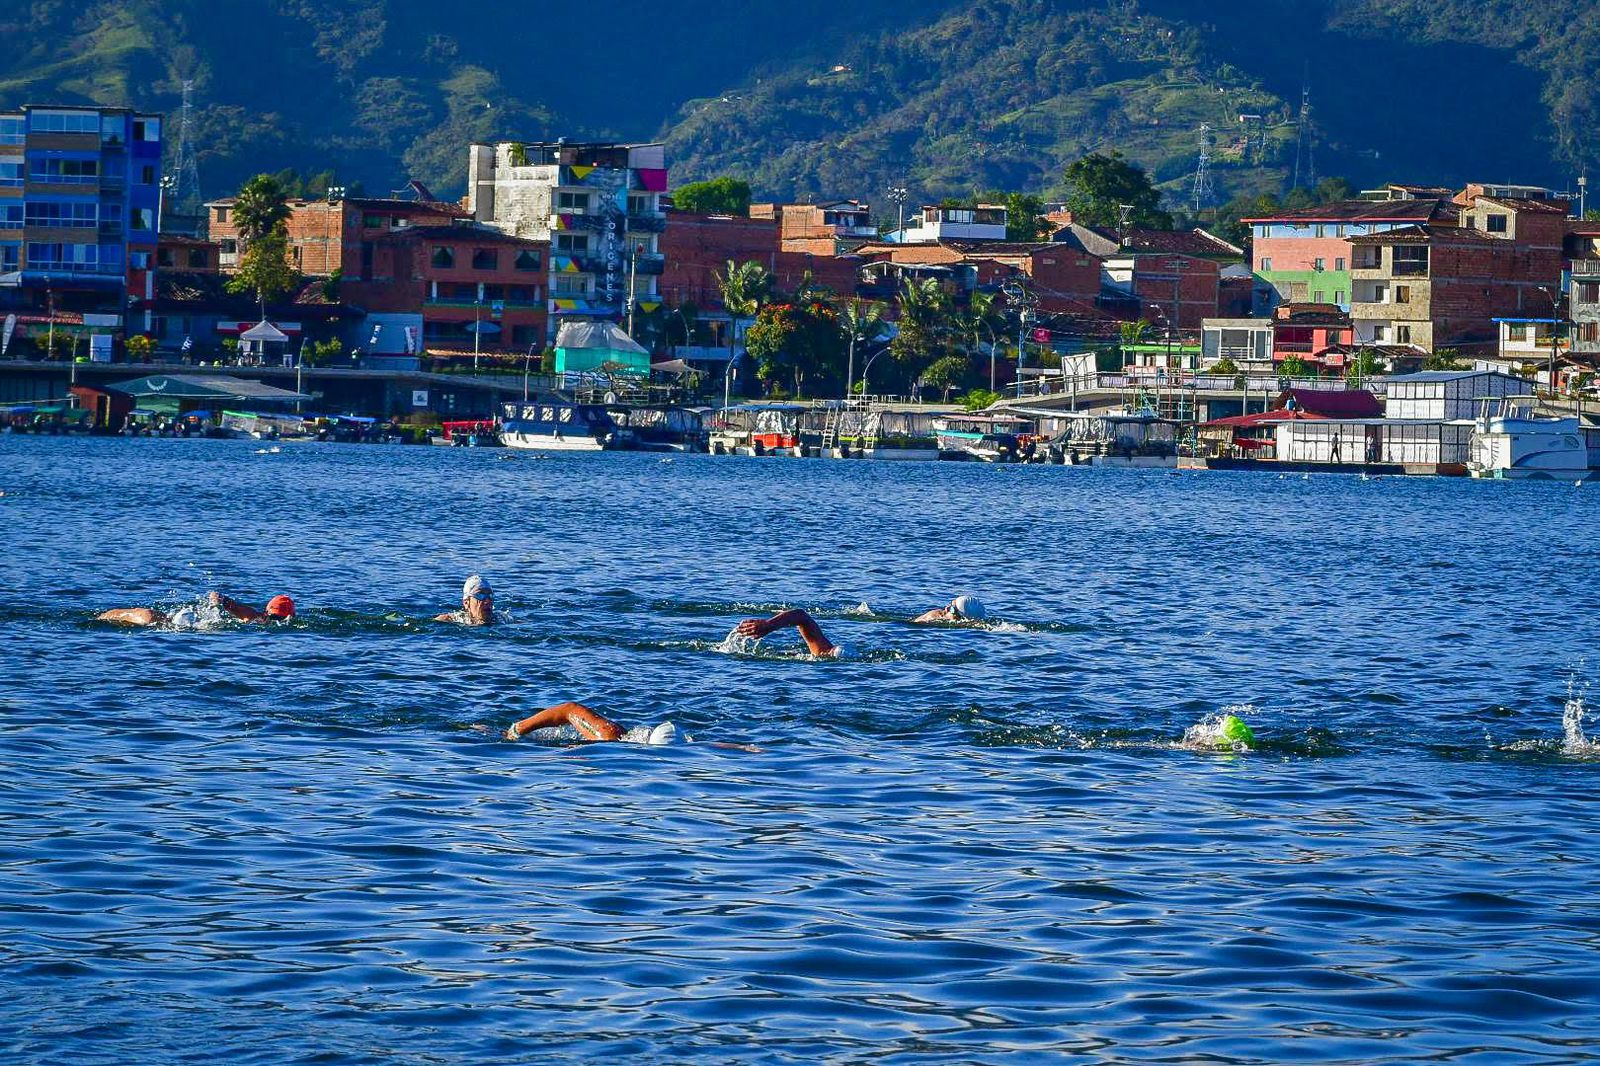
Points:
(185, 168)
(1305, 144)
(1203, 194)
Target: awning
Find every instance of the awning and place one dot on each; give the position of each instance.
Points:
(196, 387)
(265, 331)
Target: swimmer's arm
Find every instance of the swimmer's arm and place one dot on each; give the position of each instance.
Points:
(448, 616)
(938, 614)
(810, 632)
(242, 611)
(131, 616)
(589, 723)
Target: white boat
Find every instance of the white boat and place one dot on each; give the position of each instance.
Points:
(990, 438)
(1514, 442)
(559, 427)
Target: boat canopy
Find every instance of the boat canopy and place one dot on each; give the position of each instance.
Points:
(208, 387)
(583, 347)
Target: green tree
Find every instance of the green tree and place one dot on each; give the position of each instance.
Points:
(139, 347)
(719, 196)
(260, 208)
(264, 269)
(1365, 365)
(1294, 367)
(924, 326)
(1443, 359)
(797, 341)
(978, 399)
(745, 288)
(1225, 365)
(863, 324)
(1099, 186)
(948, 373)
(1025, 219)
(982, 319)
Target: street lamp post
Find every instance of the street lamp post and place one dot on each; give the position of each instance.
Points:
(477, 326)
(1024, 301)
(898, 194)
(870, 360)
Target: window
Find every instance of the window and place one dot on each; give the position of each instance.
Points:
(373, 221)
(527, 260)
(49, 214)
(10, 257)
(1587, 331)
(572, 242)
(1297, 291)
(1266, 263)
(1402, 294)
(1516, 332)
(640, 205)
(576, 202)
(147, 129)
(10, 174)
(199, 257)
(139, 260)
(1586, 292)
(1410, 261)
(10, 216)
(64, 170)
(1338, 296)
(64, 121)
(1369, 258)
(12, 130)
(222, 214)
(1494, 223)
(1319, 264)
(142, 219)
(1319, 297)
(570, 285)
(229, 246)
(485, 259)
(112, 129)
(444, 257)
(164, 257)
(147, 175)
(1338, 264)
(1402, 334)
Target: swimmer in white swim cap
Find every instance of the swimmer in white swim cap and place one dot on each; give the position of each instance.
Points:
(960, 609)
(477, 604)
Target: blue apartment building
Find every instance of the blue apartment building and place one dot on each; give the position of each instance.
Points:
(80, 199)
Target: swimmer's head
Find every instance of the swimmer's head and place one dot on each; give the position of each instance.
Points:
(968, 608)
(280, 608)
(476, 588)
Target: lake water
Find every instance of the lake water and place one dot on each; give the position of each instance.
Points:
(974, 845)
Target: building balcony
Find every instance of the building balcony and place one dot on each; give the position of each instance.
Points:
(647, 223)
(1586, 266)
(650, 265)
(486, 307)
(1409, 270)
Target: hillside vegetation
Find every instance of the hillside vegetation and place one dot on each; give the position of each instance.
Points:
(803, 97)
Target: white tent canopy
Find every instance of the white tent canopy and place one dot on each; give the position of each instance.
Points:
(588, 334)
(265, 331)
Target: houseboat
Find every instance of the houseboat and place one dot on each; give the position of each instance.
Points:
(759, 429)
(1112, 438)
(558, 426)
(1510, 441)
(989, 438)
(652, 428)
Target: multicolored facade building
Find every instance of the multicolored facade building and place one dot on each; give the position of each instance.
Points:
(599, 206)
(80, 200)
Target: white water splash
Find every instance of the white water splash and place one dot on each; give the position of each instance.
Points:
(1006, 627)
(198, 617)
(860, 610)
(1207, 734)
(1573, 715)
(737, 643)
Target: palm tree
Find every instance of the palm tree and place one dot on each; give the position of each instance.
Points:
(863, 322)
(745, 288)
(260, 208)
(924, 323)
(981, 316)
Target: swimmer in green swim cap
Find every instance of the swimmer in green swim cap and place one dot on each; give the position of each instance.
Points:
(1232, 730)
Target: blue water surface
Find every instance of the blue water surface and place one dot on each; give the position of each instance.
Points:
(308, 844)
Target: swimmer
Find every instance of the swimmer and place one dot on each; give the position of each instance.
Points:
(960, 609)
(477, 604)
(810, 632)
(588, 724)
(279, 609)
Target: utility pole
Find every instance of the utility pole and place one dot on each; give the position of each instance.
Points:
(1203, 193)
(1024, 301)
(898, 194)
(477, 327)
(633, 284)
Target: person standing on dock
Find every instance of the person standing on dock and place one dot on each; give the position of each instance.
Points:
(477, 604)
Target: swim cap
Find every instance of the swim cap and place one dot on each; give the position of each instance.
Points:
(969, 607)
(475, 584)
(1232, 730)
(280, 607)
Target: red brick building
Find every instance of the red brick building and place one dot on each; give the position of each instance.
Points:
(697, 248)
(457, 278)
(342, 235)
(1063, 276)
(830, 228)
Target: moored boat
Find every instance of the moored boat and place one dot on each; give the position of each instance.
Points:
(1515, 443)
(559, 426)
(989, 438)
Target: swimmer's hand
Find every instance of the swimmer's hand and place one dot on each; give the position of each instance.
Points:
(756, 628)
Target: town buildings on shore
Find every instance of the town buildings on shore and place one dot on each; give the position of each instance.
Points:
(552, 232)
